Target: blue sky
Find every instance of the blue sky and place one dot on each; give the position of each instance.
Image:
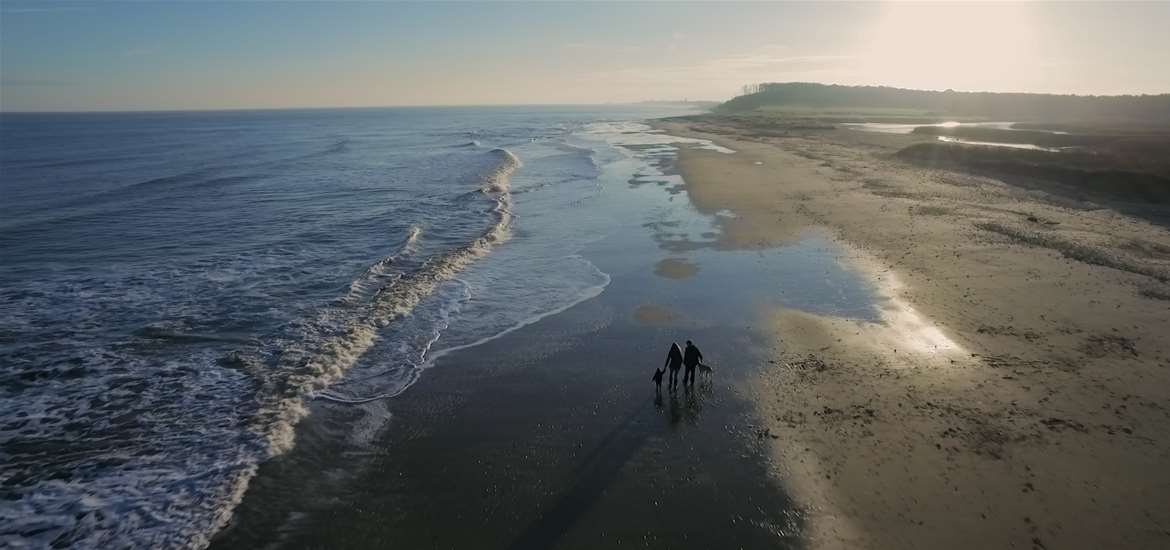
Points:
(204, 55)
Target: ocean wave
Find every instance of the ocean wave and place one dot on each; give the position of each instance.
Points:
(376, 278)
(498, 309)
(586, 294)
(147, 383)
(160, 187)
(337, 147)
(59, 434)
(84, 396)
(324, 348)
(73, 163)
(336, 339)
(178, 336)
(396, 300)
(135, 191)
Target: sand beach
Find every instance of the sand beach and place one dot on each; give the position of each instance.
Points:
(905, 357)
(1012, 394)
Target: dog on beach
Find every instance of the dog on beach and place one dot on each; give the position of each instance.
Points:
(706, 370)
(657, 378)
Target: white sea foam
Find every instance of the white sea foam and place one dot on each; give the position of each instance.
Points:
(331, 352)
(586, 294)
(628, 133)
(227, 420)
(241, 334)
(376, 277)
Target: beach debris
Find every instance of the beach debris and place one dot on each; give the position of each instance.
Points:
(762, 433)
(1103, 345)
(811, 362)
(1155, 293)
(1059, 424)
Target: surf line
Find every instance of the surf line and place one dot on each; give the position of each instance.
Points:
(397, 300)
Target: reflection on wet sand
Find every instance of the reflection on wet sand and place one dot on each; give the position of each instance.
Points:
(685, 408)
(899, 326)
(982, 406)
(676, 268)
(908, 329)
(654, 314)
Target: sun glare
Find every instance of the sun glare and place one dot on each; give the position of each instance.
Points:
(952, 45)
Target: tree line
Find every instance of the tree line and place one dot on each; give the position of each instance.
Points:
(1149, 109)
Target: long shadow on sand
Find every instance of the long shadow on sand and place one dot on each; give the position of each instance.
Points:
(602, 466)
(598, 470)
(546, 438)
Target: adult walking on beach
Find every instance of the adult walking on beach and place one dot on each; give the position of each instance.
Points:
(691, 360)
(674, 361)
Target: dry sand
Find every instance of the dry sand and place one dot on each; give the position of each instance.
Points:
(1015, 394)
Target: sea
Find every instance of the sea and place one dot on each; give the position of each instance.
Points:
(177, 288)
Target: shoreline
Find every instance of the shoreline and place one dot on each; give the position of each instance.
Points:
(551, 434)
(1044, 426)
(890, 374)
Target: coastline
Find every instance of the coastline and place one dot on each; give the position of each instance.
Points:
(1013, 393)
(878, 383)
(494, 448)
(551, 434)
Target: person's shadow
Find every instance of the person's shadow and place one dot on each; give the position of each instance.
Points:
(597, 470)
(695, 401)
(689, 407)
(675, 409)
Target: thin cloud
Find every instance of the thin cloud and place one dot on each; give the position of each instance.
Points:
(33, 82)
(139, 52)
(44, 9)
(738, 68)
(603, 48)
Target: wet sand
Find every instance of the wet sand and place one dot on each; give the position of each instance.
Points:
(498, 449)
(1013, 393)
(675, 268)
(905, 358)
(553, 436)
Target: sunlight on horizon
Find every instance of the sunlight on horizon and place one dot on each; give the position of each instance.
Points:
(135, 56)
(966, 45)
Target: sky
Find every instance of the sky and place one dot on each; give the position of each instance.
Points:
(71, 56)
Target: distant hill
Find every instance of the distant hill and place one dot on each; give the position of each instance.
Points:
(1131, 109)
(697, 104)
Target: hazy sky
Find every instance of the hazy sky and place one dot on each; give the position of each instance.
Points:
(198, 55)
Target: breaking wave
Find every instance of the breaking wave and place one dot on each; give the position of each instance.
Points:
(331, 347)
(68, 403)
(166, 322)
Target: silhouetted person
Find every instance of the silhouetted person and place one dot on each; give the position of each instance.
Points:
(674, 361)
(691, 358)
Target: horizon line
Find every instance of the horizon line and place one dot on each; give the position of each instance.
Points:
(551, 104)
(334, 107)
